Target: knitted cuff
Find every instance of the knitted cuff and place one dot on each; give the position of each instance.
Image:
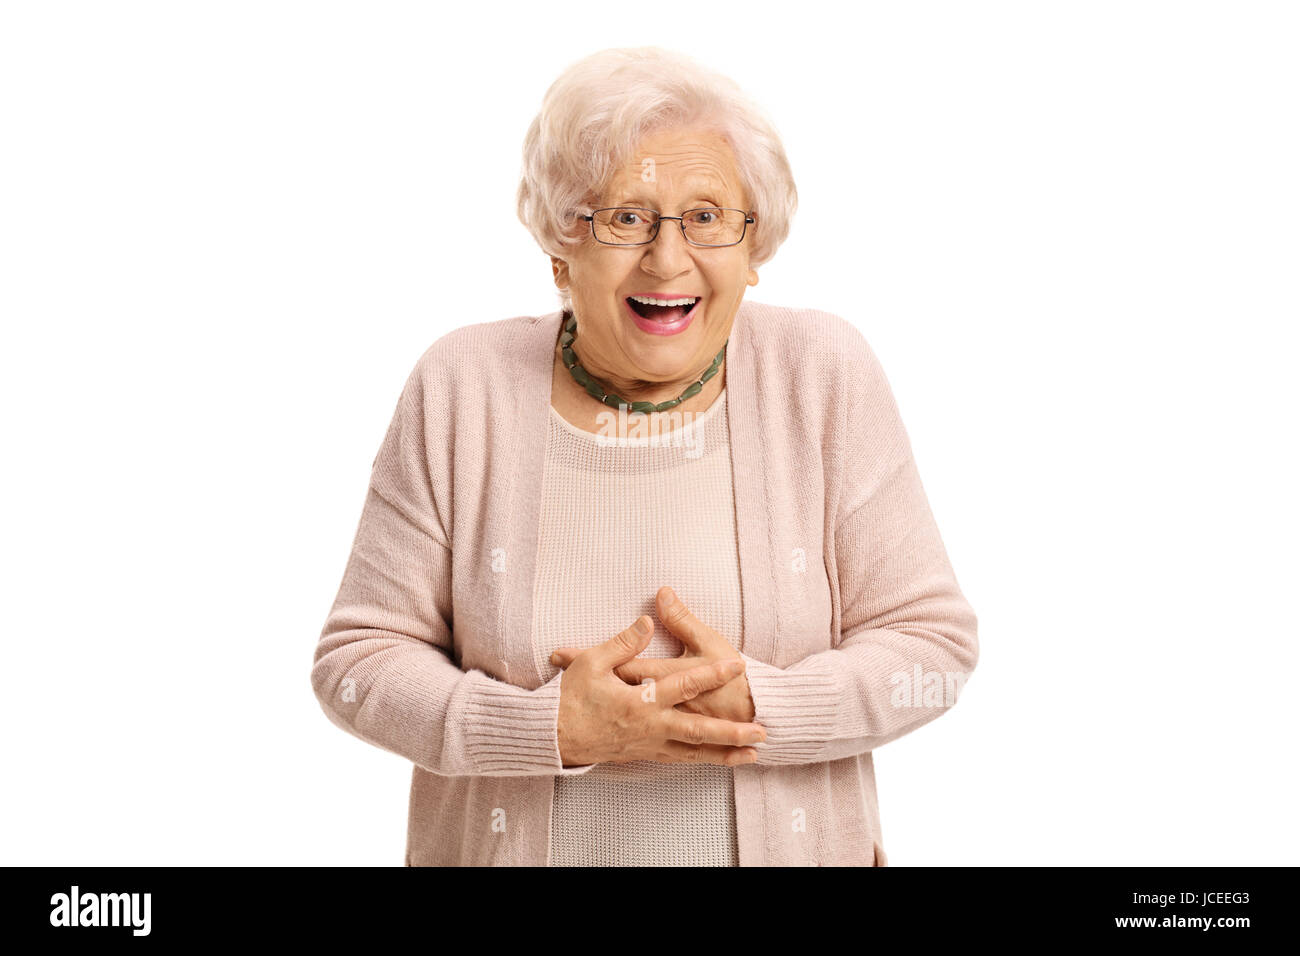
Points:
(796, 706)
(510, 731)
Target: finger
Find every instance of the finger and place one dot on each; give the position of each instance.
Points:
(684, 625)
(624, 645)
(694, 681)
(674, 751)
(563, 656)
(651, 668)
(696, 729)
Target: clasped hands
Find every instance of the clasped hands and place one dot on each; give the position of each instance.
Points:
(697, 708)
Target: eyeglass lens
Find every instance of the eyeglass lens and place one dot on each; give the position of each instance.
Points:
(631, 225)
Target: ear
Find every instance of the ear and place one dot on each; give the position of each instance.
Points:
(560, 272)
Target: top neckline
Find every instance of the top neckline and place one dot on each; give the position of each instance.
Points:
(697, 420)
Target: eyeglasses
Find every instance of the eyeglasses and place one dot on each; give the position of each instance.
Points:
(635, 226)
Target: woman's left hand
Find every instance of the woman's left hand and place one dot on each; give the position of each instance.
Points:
(701, 645)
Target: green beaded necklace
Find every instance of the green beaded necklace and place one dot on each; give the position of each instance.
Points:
(570, 359)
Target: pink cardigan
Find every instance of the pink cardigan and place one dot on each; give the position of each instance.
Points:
(854, 629)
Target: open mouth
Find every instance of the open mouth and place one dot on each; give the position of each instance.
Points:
(665, 310)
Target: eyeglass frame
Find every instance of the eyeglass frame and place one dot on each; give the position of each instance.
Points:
(681, 221)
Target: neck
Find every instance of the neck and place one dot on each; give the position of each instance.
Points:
(636, 390)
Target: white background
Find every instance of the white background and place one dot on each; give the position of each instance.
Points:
(1069, 230)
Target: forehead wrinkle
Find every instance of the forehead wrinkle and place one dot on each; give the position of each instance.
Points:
(690, 168)
(702, 177)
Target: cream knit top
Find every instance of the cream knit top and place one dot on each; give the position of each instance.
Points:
(623, 514)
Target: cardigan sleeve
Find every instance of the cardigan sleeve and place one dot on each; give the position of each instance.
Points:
(384, 669)
(908, 637)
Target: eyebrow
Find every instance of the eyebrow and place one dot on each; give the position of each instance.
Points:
(643, 203)
(699, 188)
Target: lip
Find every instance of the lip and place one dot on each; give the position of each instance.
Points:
(662, 328)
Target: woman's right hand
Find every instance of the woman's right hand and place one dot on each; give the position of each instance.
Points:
(603, 719)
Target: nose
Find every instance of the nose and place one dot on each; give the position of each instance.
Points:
(668, 256)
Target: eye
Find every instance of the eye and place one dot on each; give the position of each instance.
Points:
(626, 217)
(705, 217)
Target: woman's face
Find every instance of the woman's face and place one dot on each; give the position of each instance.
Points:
(690, 168)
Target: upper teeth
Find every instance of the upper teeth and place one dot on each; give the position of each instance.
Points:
(664, 302)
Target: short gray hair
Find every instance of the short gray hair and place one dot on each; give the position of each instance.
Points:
(599, 109)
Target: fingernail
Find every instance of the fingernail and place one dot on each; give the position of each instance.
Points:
(555, 658)
(669, 597)
(643, 625)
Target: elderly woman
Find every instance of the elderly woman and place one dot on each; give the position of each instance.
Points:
(647, 579)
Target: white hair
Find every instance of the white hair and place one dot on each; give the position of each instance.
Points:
(600, 108)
